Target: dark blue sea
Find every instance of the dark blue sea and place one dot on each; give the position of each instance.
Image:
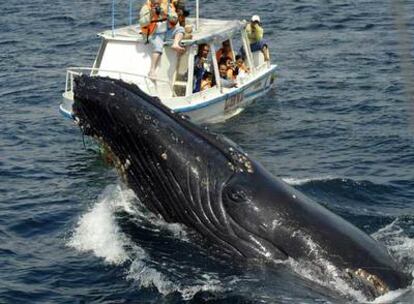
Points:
(338, 128)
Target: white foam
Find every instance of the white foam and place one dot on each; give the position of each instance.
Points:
(97, 230)
(402, 248)
(147, 277)
(398, 243)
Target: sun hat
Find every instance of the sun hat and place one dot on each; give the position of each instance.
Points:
(255, 18)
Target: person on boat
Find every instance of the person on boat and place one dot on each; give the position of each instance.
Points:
(225, 51)
(255, 33)
(207, 81)
(158, 22)
(224, 81)
(231, 72)
(241, 70)
(182, 12)
(241, 67)
(201, 65)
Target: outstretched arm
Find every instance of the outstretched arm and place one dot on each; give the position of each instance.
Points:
(144, 16)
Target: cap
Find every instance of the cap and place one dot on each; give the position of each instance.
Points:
(255, 18)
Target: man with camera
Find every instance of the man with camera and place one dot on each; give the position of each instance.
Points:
(158, 21)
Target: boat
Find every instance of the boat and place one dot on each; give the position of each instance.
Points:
(124, 54)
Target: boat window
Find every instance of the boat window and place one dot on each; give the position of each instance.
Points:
(231, 54)
(203, 69)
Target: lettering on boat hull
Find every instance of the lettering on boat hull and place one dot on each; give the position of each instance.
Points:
(233, 101)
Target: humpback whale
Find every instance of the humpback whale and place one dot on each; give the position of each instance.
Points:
(203, 180)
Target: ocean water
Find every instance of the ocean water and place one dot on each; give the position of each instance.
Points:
(337, 128)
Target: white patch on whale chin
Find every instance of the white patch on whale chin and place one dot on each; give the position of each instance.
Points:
(321, 270)
(389, 297)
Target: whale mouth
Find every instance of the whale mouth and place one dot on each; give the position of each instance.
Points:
(369, 283)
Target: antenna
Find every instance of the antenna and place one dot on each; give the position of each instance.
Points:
(197, 15)
(130, 12)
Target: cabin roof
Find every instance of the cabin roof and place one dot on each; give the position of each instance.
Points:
(209, 30)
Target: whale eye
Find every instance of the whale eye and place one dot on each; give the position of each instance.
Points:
(237, 194)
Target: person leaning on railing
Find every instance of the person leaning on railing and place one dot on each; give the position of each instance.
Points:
(224, 79)
(182, 12)
(158, 21)
(255, 32)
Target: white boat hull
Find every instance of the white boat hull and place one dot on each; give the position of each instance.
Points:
(214, 109)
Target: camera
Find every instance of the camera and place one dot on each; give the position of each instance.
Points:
(158, 10)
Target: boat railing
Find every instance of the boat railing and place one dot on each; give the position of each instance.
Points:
(149, 82)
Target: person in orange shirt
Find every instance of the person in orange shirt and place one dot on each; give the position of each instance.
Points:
(158, 22)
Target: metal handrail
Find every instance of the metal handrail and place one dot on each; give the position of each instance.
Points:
(72, 71)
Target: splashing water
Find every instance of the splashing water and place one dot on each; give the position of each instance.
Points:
(401, 246)
(97, 230)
